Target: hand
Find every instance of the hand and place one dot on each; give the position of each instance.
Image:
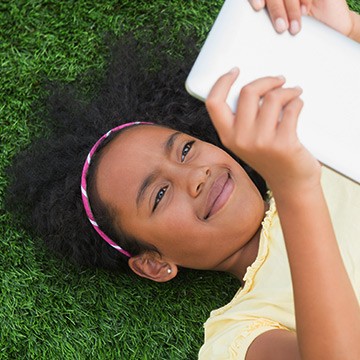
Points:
(263, 130)
(334, 13)
(286, 14)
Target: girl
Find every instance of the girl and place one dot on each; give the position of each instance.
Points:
(159, 198)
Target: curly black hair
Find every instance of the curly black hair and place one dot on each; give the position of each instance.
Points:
(142, 83)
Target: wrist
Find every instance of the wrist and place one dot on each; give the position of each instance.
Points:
(298, 201)
(354, 32)
(297, 185)
(297, 191)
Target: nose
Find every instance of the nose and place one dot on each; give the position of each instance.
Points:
(196, 179)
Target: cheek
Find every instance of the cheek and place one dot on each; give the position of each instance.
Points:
(163, 229)
(176, 233)
(178, 223)
(250, 208)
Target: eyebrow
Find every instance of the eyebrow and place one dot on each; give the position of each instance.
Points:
(167, 148)
(169, 144)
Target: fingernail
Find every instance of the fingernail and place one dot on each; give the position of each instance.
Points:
(280, 25)
(298, 88)
(234, 70)
(294, 27)
(303, 10)
(258, 4)
(282, 78)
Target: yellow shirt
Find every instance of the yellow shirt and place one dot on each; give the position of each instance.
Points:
(265, 302)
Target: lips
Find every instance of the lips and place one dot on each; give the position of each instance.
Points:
(219, 193)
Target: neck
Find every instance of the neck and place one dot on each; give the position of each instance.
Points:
(246, 257)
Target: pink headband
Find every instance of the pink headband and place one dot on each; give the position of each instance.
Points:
(84, 194)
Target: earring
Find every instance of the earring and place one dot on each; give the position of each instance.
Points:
(169, 271)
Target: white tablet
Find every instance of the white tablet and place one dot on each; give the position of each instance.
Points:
(323, 62)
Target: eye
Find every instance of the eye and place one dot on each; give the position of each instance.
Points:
(186, 149)
(159, 196)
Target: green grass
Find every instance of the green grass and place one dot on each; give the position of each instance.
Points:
(48, 308)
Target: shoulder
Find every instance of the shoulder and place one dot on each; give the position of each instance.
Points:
(274, 344)
(235, 337)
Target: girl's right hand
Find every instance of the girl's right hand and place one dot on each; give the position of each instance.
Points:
(263, 131)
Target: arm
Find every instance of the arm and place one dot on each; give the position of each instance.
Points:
(328, 327)
(286, 14)
(326, 309)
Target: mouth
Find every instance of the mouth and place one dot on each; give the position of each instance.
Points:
(219, 194)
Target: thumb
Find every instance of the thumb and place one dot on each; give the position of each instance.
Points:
(216, 105)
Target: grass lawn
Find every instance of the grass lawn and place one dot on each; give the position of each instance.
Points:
(48, 308)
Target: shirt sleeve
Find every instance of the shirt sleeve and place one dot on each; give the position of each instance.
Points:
(235, 339)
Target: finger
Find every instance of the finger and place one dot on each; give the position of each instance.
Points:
(278, 15)
(293, 11)
(261, 86)
(305, 6)
(274, 104)
(290, 118)
(250, 95)
(219, 111)
(257, 4)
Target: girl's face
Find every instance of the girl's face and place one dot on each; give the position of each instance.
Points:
(188, 198)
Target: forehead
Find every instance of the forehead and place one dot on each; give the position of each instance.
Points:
(137, 132)
(132, 142)
(127, 159)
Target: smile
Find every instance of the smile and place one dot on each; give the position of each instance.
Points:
(219, 194)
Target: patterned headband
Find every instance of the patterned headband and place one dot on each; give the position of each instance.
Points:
(84, 195)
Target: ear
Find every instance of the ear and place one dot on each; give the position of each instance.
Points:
(151, 266)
